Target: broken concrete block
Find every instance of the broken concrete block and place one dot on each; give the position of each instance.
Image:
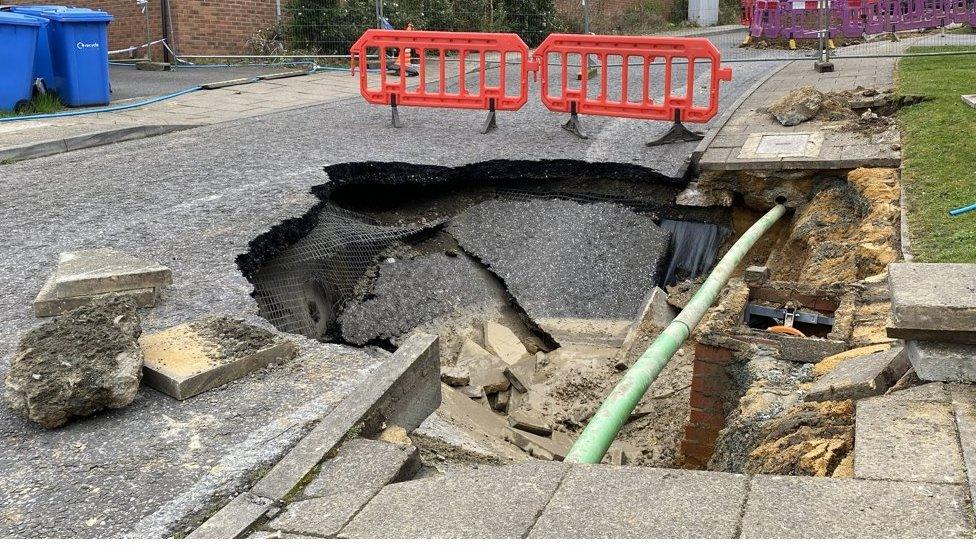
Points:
(499, 401)
(943, 361)
(189, 359)
(756, 275)
(933, 296)
(969, 100)
(77, 364)
(104, 270)
(47, 303)
(522, 374)
(557, 445)
(504, 343)
(861, 377)
(527, 421)
(798, 106)
(485, 370)
(472, 392)
(809, 349)
(455, 377)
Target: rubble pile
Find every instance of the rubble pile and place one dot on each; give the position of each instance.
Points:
(862, 110)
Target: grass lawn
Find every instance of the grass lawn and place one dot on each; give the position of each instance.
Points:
(42, 104)
(939, 148)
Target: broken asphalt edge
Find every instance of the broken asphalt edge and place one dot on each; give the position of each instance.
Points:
(48, 148)
(706, 142)
(404, 391)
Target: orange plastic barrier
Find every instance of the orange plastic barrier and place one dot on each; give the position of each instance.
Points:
(563, 92)
(441, 57)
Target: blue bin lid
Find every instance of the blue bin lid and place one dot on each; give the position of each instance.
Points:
(10, 18)
(76, 14)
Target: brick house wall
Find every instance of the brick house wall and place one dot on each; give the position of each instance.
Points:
(198, 26)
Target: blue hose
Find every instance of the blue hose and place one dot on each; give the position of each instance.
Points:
(113, 108)
(962, 210)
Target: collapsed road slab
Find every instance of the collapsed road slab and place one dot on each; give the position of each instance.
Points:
(562, 259)
(861, 377)
(943, 361)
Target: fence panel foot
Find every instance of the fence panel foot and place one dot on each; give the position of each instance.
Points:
(677, 134)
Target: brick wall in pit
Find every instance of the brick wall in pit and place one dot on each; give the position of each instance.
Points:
(709, 383)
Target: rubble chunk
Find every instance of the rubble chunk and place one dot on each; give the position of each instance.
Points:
(522, 374)
(557, 445)
(499, 401)
(755, 274)
(104, 270)
(485, 371)
(861, 377)
(75, 365)
(504, 343)
(798, 106)
(622, 453)
(527, 421)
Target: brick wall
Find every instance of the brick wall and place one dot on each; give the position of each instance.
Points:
(709, 384)
(199, 26)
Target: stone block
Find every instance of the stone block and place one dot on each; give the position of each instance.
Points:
(809, 349)
(906, 440)
(807, 507)
(104, 270)
(189, 359)
(861, 377)
(943, 361)
(485, 371)
(487, 502)
(969, 100)
(522, 374)
(756, 275)
(596, 501)
(504, 343)
(530, 423)
(553, 447)
(47, 303)
(933, 296)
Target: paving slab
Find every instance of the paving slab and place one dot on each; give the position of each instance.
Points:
(907, 440)
(487, 502)
(188, 359)
(935, 361)
(631, 502)
(933, 296)
(362, 464)
(103, 270)
(964, 402)
(861, 377)
(814, 508)
(562, 259)
(503, 342)
(47, 303)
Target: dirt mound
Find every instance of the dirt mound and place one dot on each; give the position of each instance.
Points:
(862, 110)
(811, 439)
(80, 363)
(846, 232)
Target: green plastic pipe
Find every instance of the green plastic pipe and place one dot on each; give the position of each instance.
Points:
(599, 433)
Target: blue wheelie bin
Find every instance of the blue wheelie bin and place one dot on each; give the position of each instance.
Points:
(18, 37)
(79, 51)
(43, 67)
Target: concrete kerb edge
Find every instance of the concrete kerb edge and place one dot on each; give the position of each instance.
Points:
(403, 392)
(57, 146)
(724, 119)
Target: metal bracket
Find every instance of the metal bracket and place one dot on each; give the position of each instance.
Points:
(395, 114)
(490, 123)
(573, 124)
(677, 134)
(788, 317)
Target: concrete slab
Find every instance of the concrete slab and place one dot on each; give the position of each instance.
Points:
(943, 361)
(933, 296)
(806, 507)
(103, 270)
(907, 440)
(562, 259)
(969, 100)
(321, 517)
(809, 349)
(47, 303)
(189, 359)
(861, 377)
(486, 372)
(612, 502)
(364, 464)
(504, 343)
(487, 502)
(964, 403)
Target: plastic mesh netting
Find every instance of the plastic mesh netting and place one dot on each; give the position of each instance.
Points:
(302, 289)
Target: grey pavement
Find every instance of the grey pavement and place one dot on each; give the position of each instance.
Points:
(129, 83)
